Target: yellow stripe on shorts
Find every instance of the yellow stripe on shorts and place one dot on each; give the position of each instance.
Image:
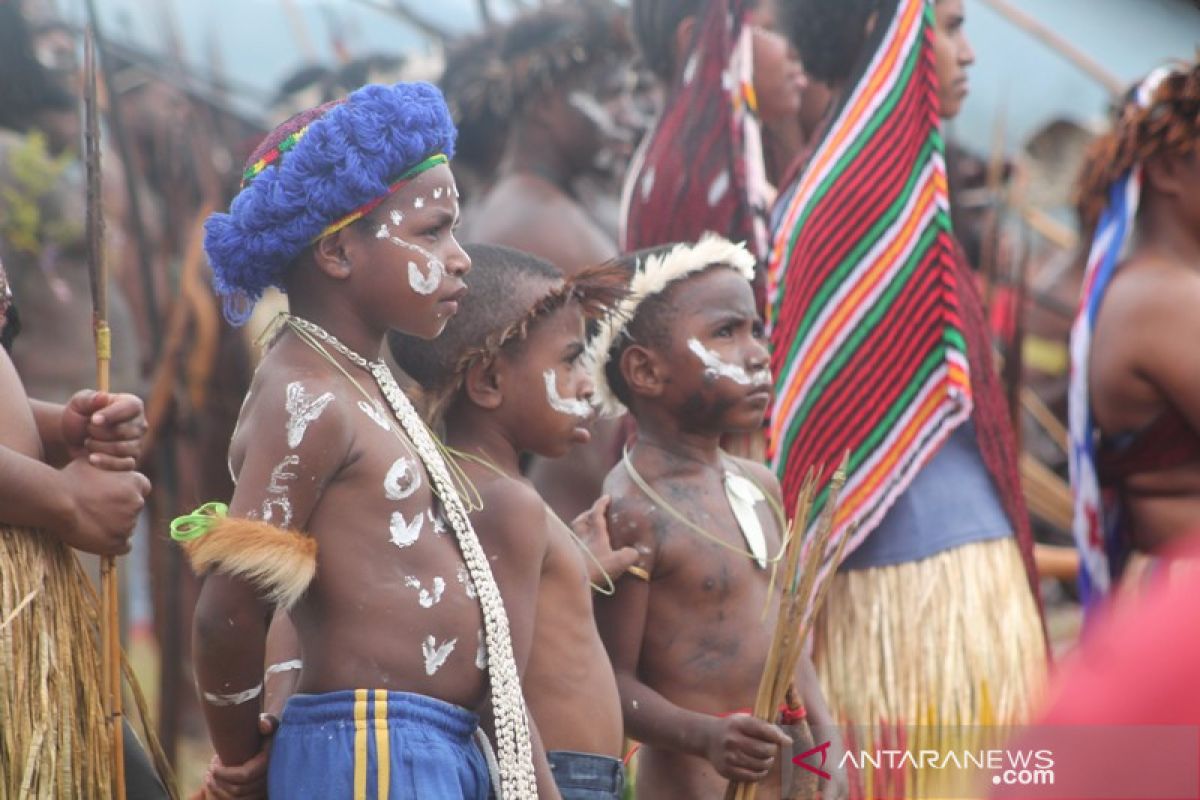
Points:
(383, 756)
(360, 744)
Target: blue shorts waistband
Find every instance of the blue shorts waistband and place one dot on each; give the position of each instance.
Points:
(418, 709)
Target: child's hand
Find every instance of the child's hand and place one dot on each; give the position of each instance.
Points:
(743, 748)
(107, 428)
(104, 507)
(248, 780)
(592, 528)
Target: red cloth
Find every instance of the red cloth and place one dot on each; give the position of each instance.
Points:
(1139, 661)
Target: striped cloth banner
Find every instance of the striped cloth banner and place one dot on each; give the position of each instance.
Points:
(1097, 525)
(868, 348)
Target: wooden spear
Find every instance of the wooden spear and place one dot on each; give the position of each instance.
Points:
(110, 611)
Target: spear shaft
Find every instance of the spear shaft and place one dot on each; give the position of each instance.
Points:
(110, 611)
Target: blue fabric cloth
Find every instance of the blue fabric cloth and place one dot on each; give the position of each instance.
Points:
(951, 502)
(583, 776)
(325, 740)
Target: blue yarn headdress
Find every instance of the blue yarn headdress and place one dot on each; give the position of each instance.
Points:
(317, 172)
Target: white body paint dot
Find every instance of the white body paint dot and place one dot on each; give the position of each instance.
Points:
(571, 407)
(375, 411)
(427, 598)
(405, 533)
(436, 654)
(402, 479)
(302, 411)
(481, 654)
(464, 578)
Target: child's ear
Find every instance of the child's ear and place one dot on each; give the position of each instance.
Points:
(482, 384)
(329, 253)
(643, 371)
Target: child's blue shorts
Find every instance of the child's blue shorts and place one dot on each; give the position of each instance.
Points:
(374, 744)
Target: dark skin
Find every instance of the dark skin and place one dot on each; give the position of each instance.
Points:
(531, 208)
(356, 286)
(543, 574)
(68, 470)
(1142, 360)
(690, 645)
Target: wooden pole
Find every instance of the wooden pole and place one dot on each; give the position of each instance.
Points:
(110, 612)
(1047, 36)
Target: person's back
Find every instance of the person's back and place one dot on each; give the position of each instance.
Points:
(1132, 368)
(689, 628)
(341, 495)
(508, 378)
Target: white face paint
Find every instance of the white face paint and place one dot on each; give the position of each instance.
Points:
(481, 654)
(715, 367)
(464, 578)
(397, 217)
(375, 411)
(436, 522)
(418, 202)
(402, 479)
(405, 533)
(598, 115)
(420, 282)
(436, 654)
(302, 411)
(437, 193)
(426, 598)
(572, 407)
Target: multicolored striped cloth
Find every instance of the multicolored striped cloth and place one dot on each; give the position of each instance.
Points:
(868, 349)
(701, 168)
(880, 346)
(1100, 535)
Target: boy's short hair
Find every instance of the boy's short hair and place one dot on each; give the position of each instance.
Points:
(644, 315)
(493, 316)
(319, 171)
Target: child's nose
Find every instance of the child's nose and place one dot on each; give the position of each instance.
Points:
(458, 263)
(760, 356)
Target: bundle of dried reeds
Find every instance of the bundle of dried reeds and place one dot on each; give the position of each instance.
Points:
(801, 596)
(54, 736)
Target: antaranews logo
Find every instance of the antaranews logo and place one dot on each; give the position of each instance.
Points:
(1008, 767)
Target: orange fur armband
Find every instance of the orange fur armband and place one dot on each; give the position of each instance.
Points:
(279, 563)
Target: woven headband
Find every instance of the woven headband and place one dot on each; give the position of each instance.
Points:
(654, 276)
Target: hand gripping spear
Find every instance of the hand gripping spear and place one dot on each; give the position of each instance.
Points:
(110, 611)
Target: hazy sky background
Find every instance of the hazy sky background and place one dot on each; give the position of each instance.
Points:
(260, 45)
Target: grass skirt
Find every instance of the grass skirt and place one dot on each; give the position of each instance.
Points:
(947, 641)
(54, 742)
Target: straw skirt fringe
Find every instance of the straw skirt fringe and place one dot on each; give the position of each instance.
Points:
(53, 739)
(950, 640)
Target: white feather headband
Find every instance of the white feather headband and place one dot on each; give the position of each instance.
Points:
(651, 277)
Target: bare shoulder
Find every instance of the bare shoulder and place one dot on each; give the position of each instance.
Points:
(514, 515)
(631, 514)
(293, 404)
(1154, 291)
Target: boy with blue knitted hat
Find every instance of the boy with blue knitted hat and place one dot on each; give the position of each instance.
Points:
(343, 503)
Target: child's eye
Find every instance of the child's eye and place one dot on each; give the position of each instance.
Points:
(725, 331)
(758, 330)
